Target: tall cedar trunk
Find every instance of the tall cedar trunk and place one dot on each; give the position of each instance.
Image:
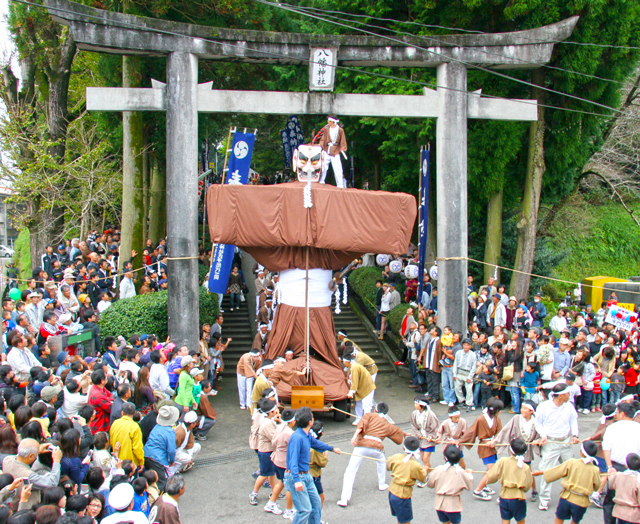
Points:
(158, 201)
(146, 184)
(47, 221)
(528, 222)
(493, 242)
(132, 177)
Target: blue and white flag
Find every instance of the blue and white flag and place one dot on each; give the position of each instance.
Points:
(237, 173)
(423, 218)
(286, 148)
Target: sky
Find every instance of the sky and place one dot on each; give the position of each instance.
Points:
(6, 45)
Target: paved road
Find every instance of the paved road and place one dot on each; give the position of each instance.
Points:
(219, 486)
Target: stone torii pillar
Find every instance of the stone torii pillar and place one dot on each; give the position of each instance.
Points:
(184, 44)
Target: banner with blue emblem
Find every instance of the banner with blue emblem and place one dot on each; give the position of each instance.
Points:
(237, 173)
(423, 218)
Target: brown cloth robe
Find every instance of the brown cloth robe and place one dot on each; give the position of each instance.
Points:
(374, 425)
(480, 430)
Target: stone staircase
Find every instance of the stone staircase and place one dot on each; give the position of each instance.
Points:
(361, 332)
(237, 326)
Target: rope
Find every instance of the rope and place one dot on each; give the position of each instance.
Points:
(532, 274)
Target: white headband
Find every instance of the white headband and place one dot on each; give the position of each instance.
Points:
(519, 458)
(313, 434)
(274, 407)
(342, 333)
(587, 458)
(415, 454)
(333, 120)
(268, 366)
(454, 414)
(421, 403)
(280, 359)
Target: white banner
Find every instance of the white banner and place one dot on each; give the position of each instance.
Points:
(621, 317)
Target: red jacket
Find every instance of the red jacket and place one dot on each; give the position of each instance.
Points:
(100, 399)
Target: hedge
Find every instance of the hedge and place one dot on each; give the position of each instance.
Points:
(148, 314)
(203, 269)
(363, 283)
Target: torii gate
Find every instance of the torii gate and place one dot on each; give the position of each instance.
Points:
(184, 44)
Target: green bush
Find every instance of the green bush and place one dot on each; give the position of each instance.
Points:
(148, 314)
(363, 282)
(202, 272)
(395, 316)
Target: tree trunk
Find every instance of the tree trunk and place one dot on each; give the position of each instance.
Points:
(132, 176)
(158, 201)
(528, 222)
(493, 243)
(146, 183)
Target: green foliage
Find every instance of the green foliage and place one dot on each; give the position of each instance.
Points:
(600, 239)
(22, 257)
(148, 314)
(202, 272)
(395, 316)
(363, 282)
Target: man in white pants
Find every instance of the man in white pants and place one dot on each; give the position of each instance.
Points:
(556, 420)
(246, 374)
(464, 368)
(333, 143)
(361, 388)
(373, 428)
(187, 448)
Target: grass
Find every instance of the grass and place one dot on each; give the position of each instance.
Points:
(600, 238)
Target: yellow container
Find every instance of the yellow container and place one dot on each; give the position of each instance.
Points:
(311, 396)
(593, 289)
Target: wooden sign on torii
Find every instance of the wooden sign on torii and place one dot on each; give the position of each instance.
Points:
(182, 98)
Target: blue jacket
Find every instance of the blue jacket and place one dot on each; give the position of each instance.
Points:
(299, 452)
(161, 445)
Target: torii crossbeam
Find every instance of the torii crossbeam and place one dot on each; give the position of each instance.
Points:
(184, 45)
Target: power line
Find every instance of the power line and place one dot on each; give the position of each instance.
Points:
(287, 7)
(129, 25)
(435, 39)
(434, 26)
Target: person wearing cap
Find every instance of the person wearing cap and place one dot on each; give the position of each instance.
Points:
(160, 448)
(128, 434)
(556, 420)
(267, 428)
(361, 386)
(496, 312)
(464, 369)
(165, 508)
(333, 143)
(367, 441)
(261, 339)
(185, 396)
(121, 500)
(406, 471)
(186, 447)
(538, 310)
(394, 296)
(246, 375)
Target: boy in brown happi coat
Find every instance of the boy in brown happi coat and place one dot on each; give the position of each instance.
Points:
(516, 479)
(405, 472)
(627, 487)
(580, 478)
(372, 429)
(424, 425)
(451, 430)
(485, 427)
(449, 481)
